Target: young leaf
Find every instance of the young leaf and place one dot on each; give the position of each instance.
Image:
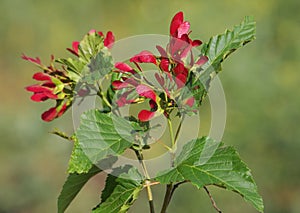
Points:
(72, 186)
(221, 46)
(79, 162)
(103, 134)
(204, 162)
(126, 190)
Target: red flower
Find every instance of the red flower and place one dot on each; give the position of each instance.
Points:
(146, 115)
(33, 60)
(55, 112)
(147, 92)
(124, 68)
(178, 26)
(144, 57)
(45, 90)
(109, 40)
(52, 86)
(74, 49)
(180, 43)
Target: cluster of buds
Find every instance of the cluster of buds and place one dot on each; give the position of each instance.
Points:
(59, 84)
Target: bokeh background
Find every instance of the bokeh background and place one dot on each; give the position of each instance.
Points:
(261, 83)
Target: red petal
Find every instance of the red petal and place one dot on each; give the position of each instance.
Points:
(123, 99)
(162, 51)
(33, 60)
(38, 88)
(39, 97)
(50, 114)
(40, 76)
(180, 69)
(178, 45)
(146, 92)
(153, 105)
(180, 80)
(49, 84)
(196, 43)
(119, 84)
(145, 115)
(100, 34)
(160, 79)
(175, 23)
(132, 82)
(164, 64)
(75, 45)
(202, 60)
(109, 39)
(144, 57)
(183, 29)
(124, 67)
(62, 110)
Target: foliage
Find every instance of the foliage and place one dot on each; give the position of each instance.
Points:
(104, 135)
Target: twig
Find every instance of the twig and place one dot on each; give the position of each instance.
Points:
(176, 186)
(212, 200)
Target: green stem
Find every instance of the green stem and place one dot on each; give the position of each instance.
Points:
(171, 132)
(140, 157)
(102, 96)
(178, 129)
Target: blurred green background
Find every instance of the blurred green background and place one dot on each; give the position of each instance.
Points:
(261, 83)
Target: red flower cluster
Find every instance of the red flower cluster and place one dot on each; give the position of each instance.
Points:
(173, 76)
(54, 85)
(58, 84)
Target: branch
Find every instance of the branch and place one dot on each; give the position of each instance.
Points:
(212, 200)
(167, 198)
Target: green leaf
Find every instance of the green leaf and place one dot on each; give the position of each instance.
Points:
(73, 66)
(205, 162)
(221, 46)
(125, 191)
(98, 67)
(111, 181)
(72, 186)
(89, 46)
(103, 134)
(79, 162)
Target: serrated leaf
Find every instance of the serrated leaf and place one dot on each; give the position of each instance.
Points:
(103, 134)
(72, 186)
(204, 162)
(111, 181)
(221, 46)
(123, 195)
(79, 162)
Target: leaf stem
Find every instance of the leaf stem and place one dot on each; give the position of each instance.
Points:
(171, 133)
(101, 94)
(212, 200)
(178, 129)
